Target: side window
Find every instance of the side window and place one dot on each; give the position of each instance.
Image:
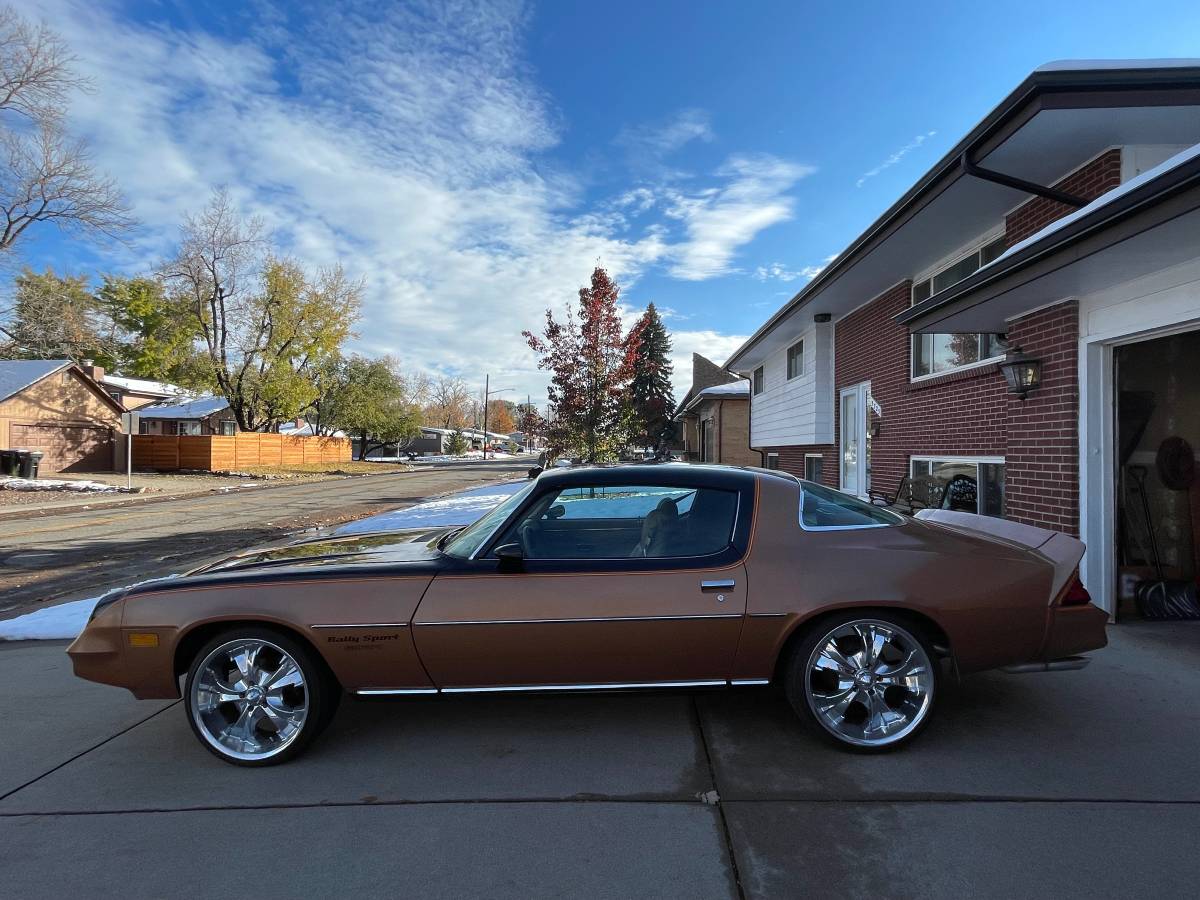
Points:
(822, 507)
(632, 521)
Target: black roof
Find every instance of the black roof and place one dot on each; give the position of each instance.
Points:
(667, 474)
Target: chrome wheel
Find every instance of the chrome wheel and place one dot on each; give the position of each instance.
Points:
(869, 683)
(249, 699)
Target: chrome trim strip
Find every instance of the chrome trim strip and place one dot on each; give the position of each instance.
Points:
(366, 625)
(769, 615)
(390, 692)
(748, 682)
(582, 687)
(585, 620)
(720, 584)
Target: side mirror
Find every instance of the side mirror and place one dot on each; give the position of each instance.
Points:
(511, 556)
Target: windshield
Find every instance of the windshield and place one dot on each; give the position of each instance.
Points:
(467, 541)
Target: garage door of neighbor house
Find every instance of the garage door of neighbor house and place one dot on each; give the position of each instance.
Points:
(67, 448)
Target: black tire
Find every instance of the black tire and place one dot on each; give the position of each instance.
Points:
(805, 683)
(318, 693)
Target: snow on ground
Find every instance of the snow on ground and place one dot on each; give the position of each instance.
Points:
(462, 508)
(66, 620)
(469, 456)
(43, 484)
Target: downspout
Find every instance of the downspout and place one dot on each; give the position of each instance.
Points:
(762, 454)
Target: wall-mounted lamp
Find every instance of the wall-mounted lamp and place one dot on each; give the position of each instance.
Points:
(1023, 373)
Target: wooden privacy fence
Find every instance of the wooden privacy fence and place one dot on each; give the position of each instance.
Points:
(222, 453)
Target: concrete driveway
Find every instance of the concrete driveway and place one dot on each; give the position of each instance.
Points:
(1076, 784)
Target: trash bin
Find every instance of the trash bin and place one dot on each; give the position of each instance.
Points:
(9, 463)
(29, 463)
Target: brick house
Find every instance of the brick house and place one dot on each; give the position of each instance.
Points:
(1060, 232)
(53, 406)
(714, 417)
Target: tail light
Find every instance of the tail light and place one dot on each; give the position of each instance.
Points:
(1075, 594)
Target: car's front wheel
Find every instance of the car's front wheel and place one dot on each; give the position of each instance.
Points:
(867, 682)
(257, 697)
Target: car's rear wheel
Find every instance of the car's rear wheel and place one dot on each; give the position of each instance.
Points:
(867, 682)
(257, 697)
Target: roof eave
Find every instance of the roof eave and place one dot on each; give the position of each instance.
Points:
(1037, 82)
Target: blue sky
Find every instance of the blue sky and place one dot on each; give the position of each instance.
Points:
(473, 161)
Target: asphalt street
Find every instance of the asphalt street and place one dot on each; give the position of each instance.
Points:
(1071, 784)
(81, 552)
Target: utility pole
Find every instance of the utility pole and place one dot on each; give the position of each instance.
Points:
(486, 394)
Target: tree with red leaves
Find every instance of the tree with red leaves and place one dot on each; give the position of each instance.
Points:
(591, 365)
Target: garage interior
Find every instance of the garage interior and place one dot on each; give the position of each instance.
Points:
(1158, 492)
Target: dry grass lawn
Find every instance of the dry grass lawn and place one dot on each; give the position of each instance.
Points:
(350, 467)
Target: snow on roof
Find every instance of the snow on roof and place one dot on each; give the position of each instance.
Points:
(1100, 202)
(733, 388)
(1101, 65)
(18, 374)
(305, 430)
(191, 409)
(142, 385)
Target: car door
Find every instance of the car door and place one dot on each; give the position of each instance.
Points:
(594, 602)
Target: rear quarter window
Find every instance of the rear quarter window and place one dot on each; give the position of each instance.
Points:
(823, 508)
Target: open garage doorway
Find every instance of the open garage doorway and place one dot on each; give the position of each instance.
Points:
(1157, 434)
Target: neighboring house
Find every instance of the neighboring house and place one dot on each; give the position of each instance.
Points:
(133, 393)
(1058, 239)
(53, 406)
(714, 417)
(204, 415)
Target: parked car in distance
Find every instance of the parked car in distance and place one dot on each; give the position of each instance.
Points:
(595, 578)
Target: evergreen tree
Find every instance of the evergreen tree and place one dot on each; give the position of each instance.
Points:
(650, 392)
(591, 366)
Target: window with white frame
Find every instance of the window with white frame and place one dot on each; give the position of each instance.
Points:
(795, 360)
(772, 460)
(814, 464)
(758, 380)
(936, 354)
(189, 427)
(973, 483)
(228, 427)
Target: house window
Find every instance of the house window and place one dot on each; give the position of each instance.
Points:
(973, 484)
(228, 428)
(814, 464)
(758, 380)
(795, 360)
(170, 426)
(189, 427)
(116, 395)
(772, 460)
(935, 354)
(66, 376)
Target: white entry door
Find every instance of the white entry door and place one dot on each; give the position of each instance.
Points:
(855, 444)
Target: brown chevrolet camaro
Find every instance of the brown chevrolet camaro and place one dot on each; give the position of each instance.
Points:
(644, 576)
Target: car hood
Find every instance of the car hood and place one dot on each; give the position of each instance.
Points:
(320, 551)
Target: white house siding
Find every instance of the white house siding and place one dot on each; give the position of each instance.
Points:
(799, 411)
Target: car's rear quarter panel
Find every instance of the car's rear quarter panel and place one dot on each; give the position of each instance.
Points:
(989, 600)
(359, 657)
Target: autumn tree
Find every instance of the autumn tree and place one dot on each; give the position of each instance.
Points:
(265, 323)
(530, 422)
(156, 336)
(45, 175)
(449, 403)
(372, 400)
(591, 366)
(500, 417)
(650, 392)
(56, 317)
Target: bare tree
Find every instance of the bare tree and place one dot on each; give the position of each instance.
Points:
(449, 403)
(46, 176)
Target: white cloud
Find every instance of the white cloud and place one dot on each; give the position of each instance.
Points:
(648, 143)
(407, 144)
(777, 271)
(895, 157)
(719, 221)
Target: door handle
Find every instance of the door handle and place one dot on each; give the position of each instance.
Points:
(727, 584)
